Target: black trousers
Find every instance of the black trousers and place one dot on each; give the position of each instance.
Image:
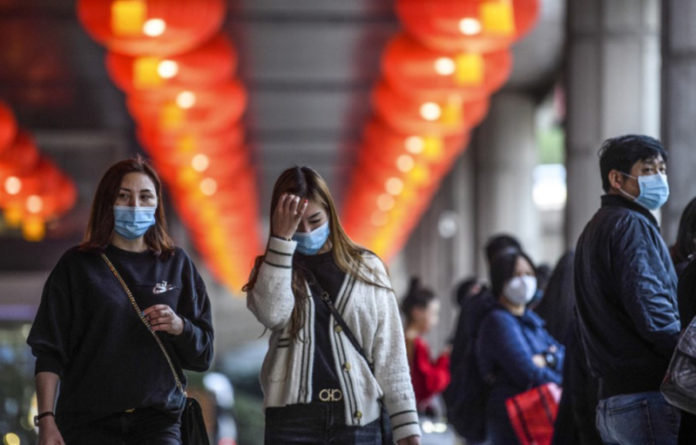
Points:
(141, 427)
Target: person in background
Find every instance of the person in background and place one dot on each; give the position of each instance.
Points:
(421, 309)
(683, 254)
(684, 248)
(318, 388)
(575, 422)
(514, 351)
(115, 385)
(543, 274)
(626, 295)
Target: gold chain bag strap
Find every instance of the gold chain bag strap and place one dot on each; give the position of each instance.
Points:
(193, 430)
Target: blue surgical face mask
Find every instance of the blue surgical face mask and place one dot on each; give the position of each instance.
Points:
(309, 243)
(654, 190)
(133, 222)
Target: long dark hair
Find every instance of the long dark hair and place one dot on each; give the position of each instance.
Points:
(305, 182)
(557, 306)
(503, 269)
(100, 227)
(685, 246)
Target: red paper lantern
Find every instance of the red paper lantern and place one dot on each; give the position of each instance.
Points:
(165, 144)
(8, 127)
(152, 27)
(44, 176)
(20, 158)
(211, 64)
(204, 110)
(467, 25)
(417, 70)
(407, 114)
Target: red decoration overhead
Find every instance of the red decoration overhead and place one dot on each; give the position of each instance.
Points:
(209, 65)
(467, 25)
(151, 27)
(417, 70)
(206, 110)
(20, 158)
(8, 127)
(412, 115)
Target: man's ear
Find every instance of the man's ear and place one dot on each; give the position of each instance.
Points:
(616, 179)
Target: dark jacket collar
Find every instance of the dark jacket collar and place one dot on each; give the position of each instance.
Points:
(620, 201)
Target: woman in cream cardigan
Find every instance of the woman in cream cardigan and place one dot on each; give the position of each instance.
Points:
(317, 387)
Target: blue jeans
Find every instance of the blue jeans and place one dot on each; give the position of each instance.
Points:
(317, 423)
(638, 419)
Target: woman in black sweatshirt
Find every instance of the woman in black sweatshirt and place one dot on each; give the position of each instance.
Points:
(115, 383)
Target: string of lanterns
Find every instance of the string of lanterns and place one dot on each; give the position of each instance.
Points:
(177, 70)
(437, 77)
(33, 190)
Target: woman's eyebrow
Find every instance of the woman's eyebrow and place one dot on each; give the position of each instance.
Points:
(315, 215)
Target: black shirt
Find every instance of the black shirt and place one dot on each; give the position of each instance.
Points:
(87, 332)
(330, 278)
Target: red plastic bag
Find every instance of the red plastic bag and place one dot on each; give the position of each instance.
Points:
(532, 413)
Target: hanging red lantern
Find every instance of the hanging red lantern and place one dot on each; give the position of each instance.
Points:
(417, 70)
(467, 25)
(165, 144)
(438, 117)
(205, 110)
(209, 65)
(8, 127)
(44, 176)
(151, 27)
(20, 158)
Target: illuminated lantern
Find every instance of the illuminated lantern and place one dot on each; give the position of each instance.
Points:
(8, 127)
(45, 175)
(205, 110)
(189, 173)
(211, 64)
(415, 69)
(188, 142)
(20, 158)
(467, 25)
(407, 114)
(428, 148)
(151, 27)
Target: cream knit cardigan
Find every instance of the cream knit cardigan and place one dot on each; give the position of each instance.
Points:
(371, 313)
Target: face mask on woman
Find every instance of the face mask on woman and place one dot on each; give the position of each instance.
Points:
(133, 222)
(520, 290)
(309, 243)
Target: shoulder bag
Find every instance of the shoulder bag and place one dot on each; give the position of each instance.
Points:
(679, 385)
(385, 423)
(193, 431)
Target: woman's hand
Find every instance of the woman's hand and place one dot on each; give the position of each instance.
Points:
(163, 318)
(287, 215)
(410, 440)
(48, 432)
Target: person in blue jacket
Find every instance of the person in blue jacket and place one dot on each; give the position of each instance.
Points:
(514, 351)
(626, 295)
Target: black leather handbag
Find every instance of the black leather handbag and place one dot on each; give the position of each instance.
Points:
(193, 431)
(385, 423)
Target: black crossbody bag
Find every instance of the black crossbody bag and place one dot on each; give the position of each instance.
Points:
(315, 287)
(193, 431)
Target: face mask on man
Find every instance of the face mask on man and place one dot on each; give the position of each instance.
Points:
(654, 190)
(133, 222)
(520, 290)
(309, 243)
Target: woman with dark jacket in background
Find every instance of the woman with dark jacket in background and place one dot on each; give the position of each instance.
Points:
(514, 351)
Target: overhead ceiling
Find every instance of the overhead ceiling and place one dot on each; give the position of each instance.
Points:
(308, 66)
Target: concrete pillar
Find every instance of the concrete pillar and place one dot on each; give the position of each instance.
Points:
(678, 99)
(505, 157)
(441, 249)
(612, 85)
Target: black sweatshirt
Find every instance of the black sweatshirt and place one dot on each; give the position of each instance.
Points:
(87, 332)
(330, 278)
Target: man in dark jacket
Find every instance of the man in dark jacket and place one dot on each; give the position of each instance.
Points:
(625, 288)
